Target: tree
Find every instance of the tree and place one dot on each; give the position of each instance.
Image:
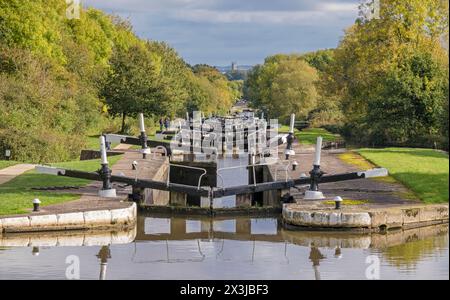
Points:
(411, 104)
(320, 60)
(377, 54)
(220, 93)
(172, 80)
(131, 86)
(282, 86)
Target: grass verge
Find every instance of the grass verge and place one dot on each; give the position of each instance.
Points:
(16, 195)
(309, 136)
(423, 171)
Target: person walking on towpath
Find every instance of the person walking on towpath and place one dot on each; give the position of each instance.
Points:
(161, 124)
(167, 123)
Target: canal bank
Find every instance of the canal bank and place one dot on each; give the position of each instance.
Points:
(370, 219)
(90, 211)
(366, 205)
(120, 218)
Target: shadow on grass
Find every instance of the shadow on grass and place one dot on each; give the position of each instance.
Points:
(430, 188)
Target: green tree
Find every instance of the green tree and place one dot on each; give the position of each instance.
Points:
(172, 79)
(131, 85)
(411, 104)
(376, 54)
(285, 84)
(320, 60)
(220, 95)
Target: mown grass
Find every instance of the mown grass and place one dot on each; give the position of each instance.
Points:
(362, 164)
(309, 136)
(423, 171)
(16, 195)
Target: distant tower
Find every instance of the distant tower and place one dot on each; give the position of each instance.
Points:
(234, 67)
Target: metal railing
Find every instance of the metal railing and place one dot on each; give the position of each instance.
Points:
(187, 167)
(253, 166)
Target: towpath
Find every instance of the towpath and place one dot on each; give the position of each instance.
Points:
(12, 172)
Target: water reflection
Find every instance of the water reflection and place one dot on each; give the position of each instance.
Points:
(103, 255)
(164, 247)
(316, 256)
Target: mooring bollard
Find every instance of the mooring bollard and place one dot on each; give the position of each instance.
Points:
(36, 204)
(294, 165)
(316, 174)
(134, 165)
(290, 139)
(338, 201)
(143, 137)
(105, 173)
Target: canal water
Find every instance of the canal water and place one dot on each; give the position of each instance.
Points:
(164, 247)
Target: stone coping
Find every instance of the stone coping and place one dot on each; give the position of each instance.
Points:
(91, 219)
(368, 219)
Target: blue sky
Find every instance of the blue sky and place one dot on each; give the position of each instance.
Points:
(218, 32)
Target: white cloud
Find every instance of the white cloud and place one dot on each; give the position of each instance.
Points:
(278, 17)
(339, 7)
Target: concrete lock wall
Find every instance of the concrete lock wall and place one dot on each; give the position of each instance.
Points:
(191, 177)
(180, 175)
(101, 219)
(271, 198)
(156, 197)
(370, 219)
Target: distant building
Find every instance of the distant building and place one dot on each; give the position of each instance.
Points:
(234, 67)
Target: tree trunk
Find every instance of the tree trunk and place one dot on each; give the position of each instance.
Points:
(124, 115)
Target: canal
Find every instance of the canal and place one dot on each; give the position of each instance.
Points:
(164, 247)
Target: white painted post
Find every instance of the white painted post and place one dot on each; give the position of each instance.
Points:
(318, 151)
(291, 129)
(313, 193)
(143, 137)
(107, 191)
(103, 150)
(141, 122)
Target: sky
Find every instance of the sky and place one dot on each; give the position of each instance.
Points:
(218, 32)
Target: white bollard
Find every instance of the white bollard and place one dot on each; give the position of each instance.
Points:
(141, 122)
(103, 150)
(106, 191)
(145, 149)
(291, 128)
(313, 193)
(318, 151)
